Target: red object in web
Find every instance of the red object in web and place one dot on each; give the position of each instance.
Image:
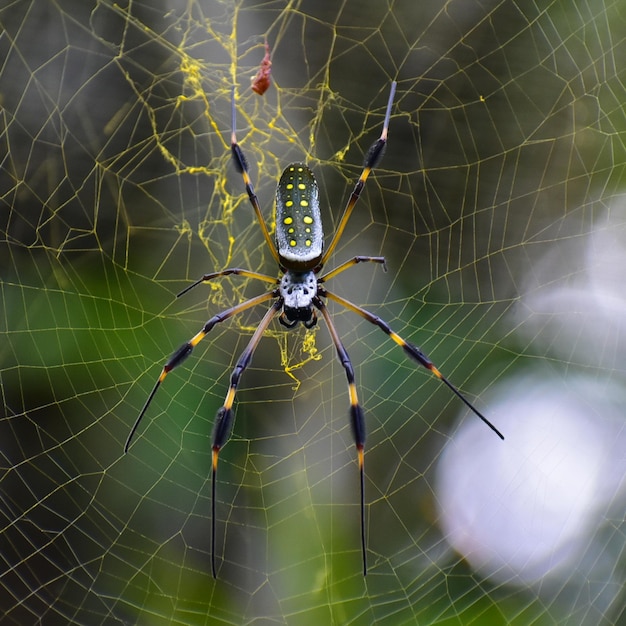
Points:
(262, 80)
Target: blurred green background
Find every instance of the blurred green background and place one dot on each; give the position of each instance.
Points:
(116, 190)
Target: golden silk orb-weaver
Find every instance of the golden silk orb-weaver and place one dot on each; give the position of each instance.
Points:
(297, 294)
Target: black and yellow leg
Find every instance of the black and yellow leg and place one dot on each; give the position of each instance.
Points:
(241, 164)
(413, 351)
(224, 418)
(357, 259)
(372, 159)
(185, 350)
(227, 272)
(357, 419)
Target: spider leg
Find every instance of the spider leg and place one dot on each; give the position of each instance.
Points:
(413, 351)
(372, 159)
(231, 270)
(346, 264)
(185, 350)
(224, 417)
(356, 415)
(241, 164)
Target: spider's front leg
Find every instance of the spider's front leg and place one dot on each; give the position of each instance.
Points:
(357, 419)
(224, 419)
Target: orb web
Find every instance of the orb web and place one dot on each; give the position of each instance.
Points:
(499, 208)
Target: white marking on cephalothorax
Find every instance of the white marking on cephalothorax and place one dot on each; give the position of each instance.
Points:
(298, 289)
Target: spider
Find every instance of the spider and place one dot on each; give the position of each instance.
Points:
(297, 294)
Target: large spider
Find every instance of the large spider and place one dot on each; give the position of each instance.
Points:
(297, 294)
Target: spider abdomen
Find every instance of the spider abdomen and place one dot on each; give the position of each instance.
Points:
(299, 235)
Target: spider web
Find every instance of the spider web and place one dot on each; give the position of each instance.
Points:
(499, 207)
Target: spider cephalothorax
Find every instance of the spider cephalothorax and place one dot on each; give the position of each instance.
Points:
(298, 289)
